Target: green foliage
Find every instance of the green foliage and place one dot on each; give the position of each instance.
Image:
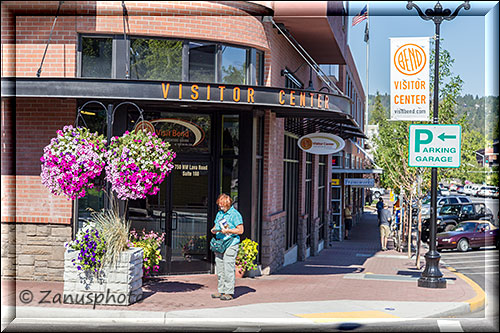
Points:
(150, 243)
(156, 59)
(233, 75)
(91, 248)
(247, 254)
(114, 229)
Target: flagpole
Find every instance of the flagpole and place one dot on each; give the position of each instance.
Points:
(367, 94)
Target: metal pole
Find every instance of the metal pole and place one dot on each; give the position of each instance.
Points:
(432, 276)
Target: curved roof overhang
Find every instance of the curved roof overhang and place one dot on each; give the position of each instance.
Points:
(317, 26)
(328, 110)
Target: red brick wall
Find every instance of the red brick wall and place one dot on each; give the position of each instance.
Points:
(24, 198)
(223, 22)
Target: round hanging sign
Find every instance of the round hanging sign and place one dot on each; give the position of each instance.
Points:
(321, 143)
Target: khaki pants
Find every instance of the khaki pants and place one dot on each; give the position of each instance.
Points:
(225, 268)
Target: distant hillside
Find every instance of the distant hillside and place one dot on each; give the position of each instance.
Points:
(482, 119)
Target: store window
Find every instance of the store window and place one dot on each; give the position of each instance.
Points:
(337, 160)
(93, 117)
(321, 194)
(97, 56)
(233, 65)
(155, 59)
(259, 69)
(291, 188)
(308, 204)
(202, 62)
(168, 59)
(229, 160)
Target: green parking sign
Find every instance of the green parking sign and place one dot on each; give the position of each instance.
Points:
(435, 146)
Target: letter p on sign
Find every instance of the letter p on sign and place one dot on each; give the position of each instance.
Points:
(419, 140)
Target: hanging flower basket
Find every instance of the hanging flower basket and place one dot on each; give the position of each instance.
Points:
(72, 161)
(136, 163)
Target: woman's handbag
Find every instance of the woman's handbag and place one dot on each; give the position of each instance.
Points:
(220, 245)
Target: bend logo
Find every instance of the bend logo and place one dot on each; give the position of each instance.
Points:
(145, 126)
(321, 143)
(171, 134)
(410, 59)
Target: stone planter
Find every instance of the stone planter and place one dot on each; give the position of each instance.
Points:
(115, 285)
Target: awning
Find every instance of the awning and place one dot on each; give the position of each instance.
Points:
(343, 127)
(316, 110)
(378, 171)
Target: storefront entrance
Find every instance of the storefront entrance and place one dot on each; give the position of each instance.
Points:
(181, 208)
(187, 212)
(207, 163)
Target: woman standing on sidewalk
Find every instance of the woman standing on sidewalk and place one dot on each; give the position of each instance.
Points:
(228, 224)
(348, 220)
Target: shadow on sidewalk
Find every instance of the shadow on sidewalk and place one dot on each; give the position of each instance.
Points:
(242, 290)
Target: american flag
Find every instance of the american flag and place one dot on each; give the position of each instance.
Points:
(363, 15)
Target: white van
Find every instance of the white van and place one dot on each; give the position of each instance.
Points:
(467, 189)
(475, 188)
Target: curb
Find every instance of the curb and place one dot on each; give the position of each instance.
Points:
(477, 302)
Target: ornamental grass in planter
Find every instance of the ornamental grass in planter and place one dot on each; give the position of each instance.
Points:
(100, 266)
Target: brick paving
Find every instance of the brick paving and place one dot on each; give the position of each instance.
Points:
(318, 278)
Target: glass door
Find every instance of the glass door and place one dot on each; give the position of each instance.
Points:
(187, 218)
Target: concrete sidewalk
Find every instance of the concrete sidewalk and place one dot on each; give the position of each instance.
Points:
(351, 280)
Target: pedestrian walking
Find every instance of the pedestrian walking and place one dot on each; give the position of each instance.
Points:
(384, 226)
(380, 206)
(228, 225)
(348, 220)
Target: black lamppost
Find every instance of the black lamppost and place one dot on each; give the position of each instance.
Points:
(432, 276)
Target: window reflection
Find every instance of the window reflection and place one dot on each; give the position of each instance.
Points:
(96, 57)
(202, 62)
(233, 65)
(229, 177)
(230, 135)
(156, 59)
(94, 118)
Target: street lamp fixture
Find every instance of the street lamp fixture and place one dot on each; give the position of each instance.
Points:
(431, 276)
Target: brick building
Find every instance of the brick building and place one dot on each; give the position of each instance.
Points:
(242, 80)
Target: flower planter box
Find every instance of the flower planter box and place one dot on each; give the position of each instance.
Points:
(115, 285)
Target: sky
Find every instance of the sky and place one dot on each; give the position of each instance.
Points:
(471, 38)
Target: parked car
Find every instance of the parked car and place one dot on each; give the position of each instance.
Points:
(487, 191)
(451, 199)
(377, 192)
(469, 234)
(445, 191)
(460, 189)
(453, 187)
(474, 190)
(449, 215)
(468, 189)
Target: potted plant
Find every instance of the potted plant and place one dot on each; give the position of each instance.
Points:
(150, 243)
(101, 262)
(246, 256)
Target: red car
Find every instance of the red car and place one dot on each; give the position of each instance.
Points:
(469, 234)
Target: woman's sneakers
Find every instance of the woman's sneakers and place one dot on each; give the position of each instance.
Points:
(224, 297)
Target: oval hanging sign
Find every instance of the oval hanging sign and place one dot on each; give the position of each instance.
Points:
(321, 143)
